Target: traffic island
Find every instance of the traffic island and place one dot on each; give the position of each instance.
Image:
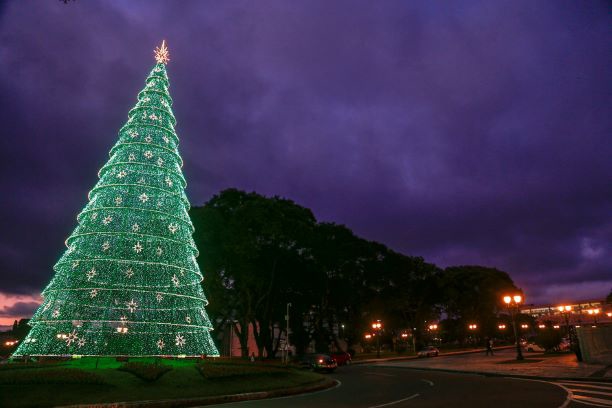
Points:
(185, 383)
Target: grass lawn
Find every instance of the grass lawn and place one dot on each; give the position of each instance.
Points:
(78, 381)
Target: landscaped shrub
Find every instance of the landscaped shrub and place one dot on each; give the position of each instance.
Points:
(144, 371)
(49, 376)
(212, 371)
(548, 338)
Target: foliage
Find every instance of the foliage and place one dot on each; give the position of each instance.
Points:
(213, 371)
(50, 376)
(548, 338)
(473, 294)
(144, 371)
(261, 253)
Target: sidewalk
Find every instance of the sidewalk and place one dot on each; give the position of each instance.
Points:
(503, 362)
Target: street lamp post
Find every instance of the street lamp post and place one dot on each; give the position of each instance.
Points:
(513, 302)
(377, 326)
(565, 311)
(594, 313)
(287, 336)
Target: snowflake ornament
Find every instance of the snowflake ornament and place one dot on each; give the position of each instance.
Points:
(165, 139)
(188, 319)
(107, 220)
(168, 181)
(148, 154)
(154, 117)
(148, 139)
(47, 305)
(71, 338)
(138, 247)
(147, 99)
(55, 313)
(160, 344)
(160, 162)
(173, 228)
(141, 181)
(132, 305)
(91, 273)
(129, 273)
(121, 174)
(123, 319)
(159, 251)
(131, 157)
(143, 197)
(175, 280)
(179, 340)
(135, 228)
(118, 200)
(133, 133)
(93, 293)
(71, 248)
(106, 246)
(81, 342)
(159, 297)
(94, 216)
(75, 264)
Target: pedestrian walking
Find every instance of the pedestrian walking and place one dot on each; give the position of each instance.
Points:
(489, 345)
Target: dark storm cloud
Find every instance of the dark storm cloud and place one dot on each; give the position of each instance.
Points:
(19, 309)
(475, 132)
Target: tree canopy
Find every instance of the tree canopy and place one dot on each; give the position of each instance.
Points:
(259, 253)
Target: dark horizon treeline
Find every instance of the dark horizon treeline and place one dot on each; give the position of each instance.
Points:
(257, 254)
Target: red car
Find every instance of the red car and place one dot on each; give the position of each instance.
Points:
(341, 358)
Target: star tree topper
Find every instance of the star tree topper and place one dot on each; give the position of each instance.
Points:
(162, 55)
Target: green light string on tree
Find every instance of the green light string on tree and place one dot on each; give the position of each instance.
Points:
(129, 283)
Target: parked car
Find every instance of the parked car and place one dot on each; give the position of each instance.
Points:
(318, 362)
(534, 347)
(429, 351)
(341, 358)
(564, 345)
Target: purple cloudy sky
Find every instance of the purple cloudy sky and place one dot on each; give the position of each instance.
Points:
(472, 132)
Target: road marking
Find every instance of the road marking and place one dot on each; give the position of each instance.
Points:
(394, 402)
(569, 397)
(608, 387)
(593, 401)
(306, 394)
(428, 382)
(381, 374)
(588, 393)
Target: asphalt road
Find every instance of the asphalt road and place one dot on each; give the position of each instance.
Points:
(378, 387)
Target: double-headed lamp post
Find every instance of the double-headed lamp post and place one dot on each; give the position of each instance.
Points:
(376, 326)
(513, 302)
(565, 311)
(594, 313)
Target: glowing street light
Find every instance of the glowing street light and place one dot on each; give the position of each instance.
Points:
(565, 311)
(368, 336)
(377, 326)
(433, 327)
(524, 326)
(513, 302)
(594, 313)
(541, 326)
(472, 326)
(501, 327)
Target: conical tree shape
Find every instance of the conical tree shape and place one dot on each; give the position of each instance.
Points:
(129, 283)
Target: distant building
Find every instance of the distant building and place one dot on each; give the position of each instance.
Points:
(582, 313)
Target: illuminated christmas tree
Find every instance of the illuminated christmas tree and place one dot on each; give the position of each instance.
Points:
(129, 283)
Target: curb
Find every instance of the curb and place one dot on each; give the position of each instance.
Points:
(219, 399)
(450, 353)
(508, 375)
